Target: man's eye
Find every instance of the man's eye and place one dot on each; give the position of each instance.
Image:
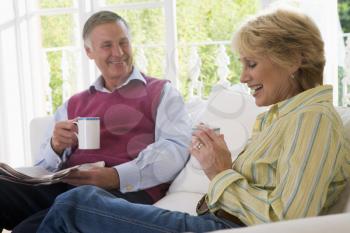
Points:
(106, 45)
(124, 43)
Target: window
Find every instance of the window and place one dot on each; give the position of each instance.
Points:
(43, 62)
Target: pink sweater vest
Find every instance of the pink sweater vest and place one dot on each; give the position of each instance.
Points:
(127, 123)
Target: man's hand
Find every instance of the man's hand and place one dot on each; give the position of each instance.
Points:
(103, 177)
(63, 136)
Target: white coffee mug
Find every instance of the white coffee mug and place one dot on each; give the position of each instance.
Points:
(88, 133)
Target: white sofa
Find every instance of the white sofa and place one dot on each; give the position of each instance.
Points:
(234, 111)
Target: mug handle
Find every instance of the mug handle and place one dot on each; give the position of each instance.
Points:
(76, 134)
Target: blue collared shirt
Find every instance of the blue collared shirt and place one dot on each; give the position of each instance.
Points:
(160, 161)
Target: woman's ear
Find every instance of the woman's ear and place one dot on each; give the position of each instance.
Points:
(295, 66)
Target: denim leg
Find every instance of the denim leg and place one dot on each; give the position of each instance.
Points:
(19, 201)
(90, 209)
(32, 223)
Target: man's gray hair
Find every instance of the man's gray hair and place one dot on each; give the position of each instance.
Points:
(99, 18)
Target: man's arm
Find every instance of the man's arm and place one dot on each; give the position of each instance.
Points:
(48, 158)
(162, 160)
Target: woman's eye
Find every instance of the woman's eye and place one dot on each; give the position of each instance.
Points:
(251, 64)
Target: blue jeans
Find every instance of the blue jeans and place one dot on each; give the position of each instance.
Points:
(90, 209)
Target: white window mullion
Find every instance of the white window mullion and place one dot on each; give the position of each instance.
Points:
(37, 72)
(84, 76)
(94, 5)
(129, 6)
(171, 66)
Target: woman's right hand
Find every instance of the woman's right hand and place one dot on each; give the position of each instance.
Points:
(211, 151)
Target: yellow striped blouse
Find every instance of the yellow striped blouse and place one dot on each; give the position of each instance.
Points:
(295, 164)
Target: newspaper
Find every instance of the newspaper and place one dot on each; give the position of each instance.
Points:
(38, 175)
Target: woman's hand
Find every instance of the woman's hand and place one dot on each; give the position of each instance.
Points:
(211, 151)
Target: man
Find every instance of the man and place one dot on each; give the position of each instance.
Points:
(145, 132)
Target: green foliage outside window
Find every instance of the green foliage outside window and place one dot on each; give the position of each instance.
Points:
(206, 20)
(55, 3)
(197, 21)
(344, 14)
(57, 31)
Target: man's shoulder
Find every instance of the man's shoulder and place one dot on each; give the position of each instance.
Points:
(155, 83)
(151, 79)
(81, 94)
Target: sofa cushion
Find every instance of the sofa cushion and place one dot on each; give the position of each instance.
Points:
(338, 223)
(180, 201)
(343, 204)
(234, 112)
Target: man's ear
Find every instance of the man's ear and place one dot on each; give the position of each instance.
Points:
(88, 51)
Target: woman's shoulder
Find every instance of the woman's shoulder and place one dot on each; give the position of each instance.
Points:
(324, 110)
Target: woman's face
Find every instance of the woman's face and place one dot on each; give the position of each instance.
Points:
(269, 83)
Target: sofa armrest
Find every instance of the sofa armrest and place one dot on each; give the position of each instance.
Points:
(38, 128)
(339, 223)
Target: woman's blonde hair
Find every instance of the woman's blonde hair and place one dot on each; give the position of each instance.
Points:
(287, 38)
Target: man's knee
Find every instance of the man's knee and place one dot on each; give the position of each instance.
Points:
(75, 193)
(81, 194)
(89, 196)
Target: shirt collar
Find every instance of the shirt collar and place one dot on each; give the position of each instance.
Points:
(323, 93)
(98, 85)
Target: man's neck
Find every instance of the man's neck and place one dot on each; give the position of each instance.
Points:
(112, 84)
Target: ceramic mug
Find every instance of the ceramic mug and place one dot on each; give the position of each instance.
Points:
(88, 132)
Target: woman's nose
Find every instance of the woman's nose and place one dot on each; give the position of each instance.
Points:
(244, 77)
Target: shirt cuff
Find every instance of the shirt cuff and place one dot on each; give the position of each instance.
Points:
(218, 185)
(51, 160)
(129, 176)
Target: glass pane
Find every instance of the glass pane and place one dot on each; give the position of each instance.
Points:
(146, 25)
(155, 61)
(203, 21)
(57, 30)
(7, 12)
(63, 75)
(110, 2)
(54, 59)
(55, 3)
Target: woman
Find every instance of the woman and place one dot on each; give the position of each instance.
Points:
(294, 165)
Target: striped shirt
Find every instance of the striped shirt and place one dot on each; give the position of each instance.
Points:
(295, 164)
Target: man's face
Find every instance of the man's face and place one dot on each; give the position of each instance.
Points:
(110, 48)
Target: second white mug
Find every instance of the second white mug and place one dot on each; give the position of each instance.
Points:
(88, 133)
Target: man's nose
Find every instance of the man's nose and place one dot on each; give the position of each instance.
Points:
(117, 51)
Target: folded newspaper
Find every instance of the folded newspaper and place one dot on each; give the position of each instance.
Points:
(40, 176)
